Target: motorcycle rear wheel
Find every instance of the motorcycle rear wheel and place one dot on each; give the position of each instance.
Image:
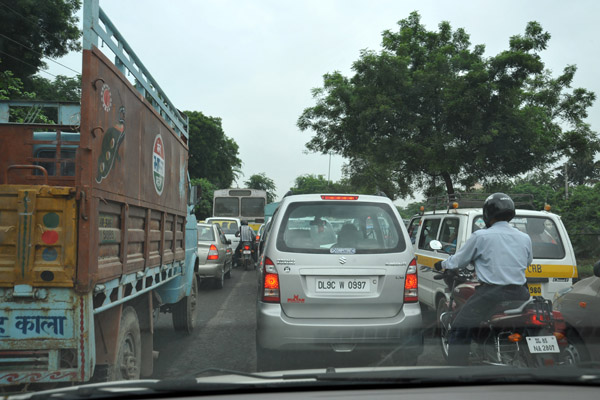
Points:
(444, 329)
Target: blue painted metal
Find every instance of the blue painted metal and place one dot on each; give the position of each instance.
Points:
(127, 60)
(26, 323)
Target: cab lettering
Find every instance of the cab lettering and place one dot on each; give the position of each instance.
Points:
(534, 268)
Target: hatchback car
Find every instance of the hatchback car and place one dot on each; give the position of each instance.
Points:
(580, 305)
(214, 254)
(338, 290)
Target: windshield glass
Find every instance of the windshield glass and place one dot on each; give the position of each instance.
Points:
(253, 207)
(227, 207)
(206, 234)
(545, 238)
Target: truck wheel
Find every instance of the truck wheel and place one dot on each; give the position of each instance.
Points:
(129, 354)
(184, 311)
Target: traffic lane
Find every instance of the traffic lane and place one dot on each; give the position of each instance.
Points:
(225, 337)
(225, 331)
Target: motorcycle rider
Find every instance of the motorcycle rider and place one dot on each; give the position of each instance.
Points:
(246, 234)
(500, 255)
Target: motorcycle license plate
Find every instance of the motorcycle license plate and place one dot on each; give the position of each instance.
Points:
(542, 344)
(247, 252)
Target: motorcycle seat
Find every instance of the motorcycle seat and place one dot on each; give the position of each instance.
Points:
(520, 306)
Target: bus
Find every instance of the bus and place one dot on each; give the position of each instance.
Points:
(245, 204)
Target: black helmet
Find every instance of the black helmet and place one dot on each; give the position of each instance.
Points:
(498, 206)
(244, 222)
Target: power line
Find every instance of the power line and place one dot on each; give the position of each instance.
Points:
(26, 63)
(25, 18)
(39, 53)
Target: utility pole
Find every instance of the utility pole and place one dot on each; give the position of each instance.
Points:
(566, 183)
(329, 170)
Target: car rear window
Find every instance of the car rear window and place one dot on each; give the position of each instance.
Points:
(340, 227)
(206, 234)
(228, 227)
(545, 237)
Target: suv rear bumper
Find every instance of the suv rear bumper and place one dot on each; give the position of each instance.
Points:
(276, 331)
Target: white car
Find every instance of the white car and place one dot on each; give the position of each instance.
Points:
(328, 291)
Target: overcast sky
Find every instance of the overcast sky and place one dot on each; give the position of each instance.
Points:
(253, 63)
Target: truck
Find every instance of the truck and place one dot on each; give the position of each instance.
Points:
(97, 234)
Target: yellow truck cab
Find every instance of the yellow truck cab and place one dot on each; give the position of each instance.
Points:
(553, 267)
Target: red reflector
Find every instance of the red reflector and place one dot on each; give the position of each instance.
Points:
(339, 197)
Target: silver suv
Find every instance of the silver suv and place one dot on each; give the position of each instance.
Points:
(338, 274)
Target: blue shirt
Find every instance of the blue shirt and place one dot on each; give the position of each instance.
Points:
(499, 253)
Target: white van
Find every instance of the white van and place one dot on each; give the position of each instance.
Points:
(553, 267)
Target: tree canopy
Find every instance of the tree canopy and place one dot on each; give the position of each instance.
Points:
(429, 108)
(31, 30)
(262, 182)
(213, 155)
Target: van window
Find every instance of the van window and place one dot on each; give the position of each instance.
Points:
(545, 237)
(340, 228)
(449, 234)
(413, 229)
(428, 232)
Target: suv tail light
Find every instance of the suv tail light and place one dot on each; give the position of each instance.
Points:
(324, 197)
(213, 253)
(271, 282)
(411, 283)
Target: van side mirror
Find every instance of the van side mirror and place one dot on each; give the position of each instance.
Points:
(435, 245)
(597, 269)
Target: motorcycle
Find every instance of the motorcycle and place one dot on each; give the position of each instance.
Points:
(246, 256)
(518, 333)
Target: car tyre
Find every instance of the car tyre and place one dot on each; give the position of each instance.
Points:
(576, 352)
(220, 281)
(228, 274)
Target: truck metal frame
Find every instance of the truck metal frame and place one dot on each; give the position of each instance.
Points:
(93, 246)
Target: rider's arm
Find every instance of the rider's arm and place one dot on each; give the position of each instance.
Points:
(464, 256)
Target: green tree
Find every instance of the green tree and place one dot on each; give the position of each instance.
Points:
(430, 109)
(310, 183)
(11, 87)
(204, 206)
(31, 30)
(213, 155)
(262, 182)
(63, 88)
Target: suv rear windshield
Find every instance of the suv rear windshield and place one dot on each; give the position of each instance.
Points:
(340, 228)
(545, 239)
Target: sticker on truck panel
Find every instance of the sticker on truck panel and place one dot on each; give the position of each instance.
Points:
(111, 142)
(158, 164)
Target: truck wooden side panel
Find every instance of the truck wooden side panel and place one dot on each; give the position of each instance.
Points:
(132, 179)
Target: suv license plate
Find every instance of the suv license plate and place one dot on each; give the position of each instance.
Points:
(343, 285)
(542, 344)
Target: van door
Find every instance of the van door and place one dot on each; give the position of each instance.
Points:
(426, 257)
